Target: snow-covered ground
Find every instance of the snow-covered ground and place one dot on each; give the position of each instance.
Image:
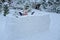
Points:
(12, 28)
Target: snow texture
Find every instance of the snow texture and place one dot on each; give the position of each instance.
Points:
(37, 27)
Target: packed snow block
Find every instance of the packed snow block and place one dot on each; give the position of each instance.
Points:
(29, 24)
(35, 23)
(2, 26)
(27, 27)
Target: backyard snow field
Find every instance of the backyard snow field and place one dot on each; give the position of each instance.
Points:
(32, 27)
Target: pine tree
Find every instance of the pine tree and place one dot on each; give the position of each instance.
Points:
(6, 10)
(0, 6)
(9, 1)
(3, 1)
(57, 4)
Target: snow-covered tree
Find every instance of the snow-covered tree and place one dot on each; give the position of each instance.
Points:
(9, 1)
(0, 6)
(3, 0)
(51, 5)
(27, 6)
(6, 9)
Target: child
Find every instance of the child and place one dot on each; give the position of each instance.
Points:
(24, 13)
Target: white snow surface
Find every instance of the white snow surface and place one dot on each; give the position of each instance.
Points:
(12, 28)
